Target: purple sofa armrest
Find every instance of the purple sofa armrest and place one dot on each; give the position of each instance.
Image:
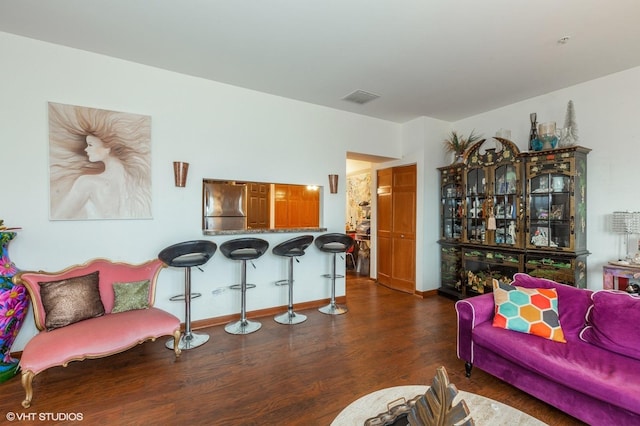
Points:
(472, 312)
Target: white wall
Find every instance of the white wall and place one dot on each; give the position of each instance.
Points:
(221, 130)
(607, 110)
(421, 146)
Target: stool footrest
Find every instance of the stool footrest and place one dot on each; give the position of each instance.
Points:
(282, 282)
(239, 286)
(333, 276)
(180, 297)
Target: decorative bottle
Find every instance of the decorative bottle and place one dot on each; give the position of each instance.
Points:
(533, 133)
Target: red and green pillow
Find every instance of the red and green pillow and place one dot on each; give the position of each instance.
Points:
(527, 310)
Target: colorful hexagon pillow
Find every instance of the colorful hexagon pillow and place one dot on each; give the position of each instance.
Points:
(527, 310)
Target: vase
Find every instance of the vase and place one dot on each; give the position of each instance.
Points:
(533, 133)
(536, 144)
(14, 302)
(458, 158)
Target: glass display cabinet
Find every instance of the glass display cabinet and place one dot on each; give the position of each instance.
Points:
(451, 214)
(493, 194)
(505, 212)
(557, 202)
(451, 202)
(556, 215)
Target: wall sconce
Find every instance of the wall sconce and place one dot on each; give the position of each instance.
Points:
(180, 171)
(333, 184)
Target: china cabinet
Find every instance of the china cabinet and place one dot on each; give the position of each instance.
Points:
(556, 214)
(493, 194)
(451, 213)
(517, 212)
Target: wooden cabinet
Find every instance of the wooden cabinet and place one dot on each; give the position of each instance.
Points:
(521, 212)
(452, 213)
(493, 195)
(556, 215)
(396, 199)
(296, 206)
(483, 265)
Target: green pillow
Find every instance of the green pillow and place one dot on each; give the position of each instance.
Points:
(130, 296)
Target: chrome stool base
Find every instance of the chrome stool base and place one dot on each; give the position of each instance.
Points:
(333, 309)
(242, 327)
(290, 318)
(186, 255)
(189, 341)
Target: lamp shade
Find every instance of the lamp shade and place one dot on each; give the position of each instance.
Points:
(333, 184)
(180, 170)
(625, 222)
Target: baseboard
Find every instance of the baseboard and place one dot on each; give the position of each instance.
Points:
(211, 322)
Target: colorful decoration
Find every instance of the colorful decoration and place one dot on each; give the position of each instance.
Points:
(14, 302)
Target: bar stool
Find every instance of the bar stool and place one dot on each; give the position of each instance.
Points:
(243, 249)
(292, 248)
(186, 255)
(333, 243)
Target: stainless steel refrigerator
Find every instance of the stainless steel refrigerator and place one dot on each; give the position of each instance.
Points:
(224, 206)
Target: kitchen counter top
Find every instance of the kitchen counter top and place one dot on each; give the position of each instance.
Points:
(261, 231)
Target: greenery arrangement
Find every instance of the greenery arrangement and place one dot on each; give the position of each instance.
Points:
(459, 144)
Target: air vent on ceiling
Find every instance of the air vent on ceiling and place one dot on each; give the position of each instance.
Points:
(360, 97)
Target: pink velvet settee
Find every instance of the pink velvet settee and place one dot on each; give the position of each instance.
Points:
(92, 310)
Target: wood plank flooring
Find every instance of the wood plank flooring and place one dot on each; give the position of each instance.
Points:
(281, 375)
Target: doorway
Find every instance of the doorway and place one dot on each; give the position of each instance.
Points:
(358, 216)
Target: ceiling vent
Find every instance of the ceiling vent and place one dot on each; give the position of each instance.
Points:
(360, 97)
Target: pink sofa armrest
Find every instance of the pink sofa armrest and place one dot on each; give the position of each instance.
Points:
(471, 313)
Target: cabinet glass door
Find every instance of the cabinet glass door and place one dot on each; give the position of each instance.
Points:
(506, 205)
(549, 207)
(475, 200)
(451, 211)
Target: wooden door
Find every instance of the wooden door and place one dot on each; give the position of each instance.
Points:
(396, 192)
(258, 205)
(403, 236)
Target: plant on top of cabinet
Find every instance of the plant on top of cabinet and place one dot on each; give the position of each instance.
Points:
(457, 145)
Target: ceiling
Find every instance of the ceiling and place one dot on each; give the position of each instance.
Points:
(446, 59)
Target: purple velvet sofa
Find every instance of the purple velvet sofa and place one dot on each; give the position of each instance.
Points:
(594, 376)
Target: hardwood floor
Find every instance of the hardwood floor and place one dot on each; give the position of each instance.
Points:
(281, 375)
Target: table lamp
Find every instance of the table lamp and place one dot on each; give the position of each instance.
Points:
(626, 223)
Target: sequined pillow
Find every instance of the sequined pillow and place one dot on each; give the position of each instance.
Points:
(130, 296)
(71, 300)
(527, 310)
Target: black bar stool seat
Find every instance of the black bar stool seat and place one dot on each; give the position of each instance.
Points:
(243, 249)
(333, 243)
(186, 255)
(292, 248)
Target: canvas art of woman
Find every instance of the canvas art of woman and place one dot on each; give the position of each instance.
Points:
(100, 164)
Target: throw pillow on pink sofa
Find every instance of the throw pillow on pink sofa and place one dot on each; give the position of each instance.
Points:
(612, 323)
